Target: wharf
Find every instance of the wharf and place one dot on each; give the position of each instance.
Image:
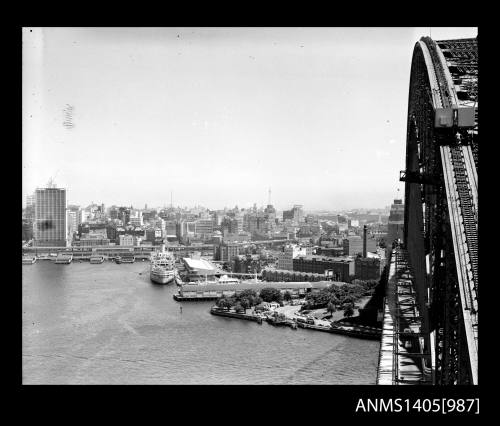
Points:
(353, 331)
(216, 311)
(278, 322)
(180, 298)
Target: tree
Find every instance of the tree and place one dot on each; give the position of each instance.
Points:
(245, 304)
(220, 303)
(247, 294)
(306, 306)
(269, 294)
(349, 310)
(238, 307)
(331, 308)
(287, 296)
(224, 303)
(349, 299)
(358, 282)
(334, 300)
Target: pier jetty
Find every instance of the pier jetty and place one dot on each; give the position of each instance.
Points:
(363, 332)
(216, 311)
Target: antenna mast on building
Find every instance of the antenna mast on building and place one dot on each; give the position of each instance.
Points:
(171, 204)
(269, 199)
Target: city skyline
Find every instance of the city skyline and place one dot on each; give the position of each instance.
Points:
(195, 205)
(219, 115)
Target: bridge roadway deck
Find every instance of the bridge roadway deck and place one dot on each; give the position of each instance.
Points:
(400, 361)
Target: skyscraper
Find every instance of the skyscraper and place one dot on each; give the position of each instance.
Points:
(50, 217)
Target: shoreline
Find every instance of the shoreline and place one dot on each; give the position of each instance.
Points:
(357, 331)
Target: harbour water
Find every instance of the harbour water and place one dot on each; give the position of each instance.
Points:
(108, 324)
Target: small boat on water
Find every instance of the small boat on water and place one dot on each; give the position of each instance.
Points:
(126, 258)
(96, 258)
(29, 260)
(118, 259)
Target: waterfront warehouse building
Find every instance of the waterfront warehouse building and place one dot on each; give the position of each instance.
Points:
(51, 223)
(282, 275)
(214, 291)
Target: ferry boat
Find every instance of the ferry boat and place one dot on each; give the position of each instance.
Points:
(97, 258)
(29, 260)
(125, 259)
(163, 269)
(64, 258)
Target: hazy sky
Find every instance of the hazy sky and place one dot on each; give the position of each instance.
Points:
(219, 115)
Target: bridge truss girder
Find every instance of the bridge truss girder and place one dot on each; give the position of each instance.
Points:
(430, 225)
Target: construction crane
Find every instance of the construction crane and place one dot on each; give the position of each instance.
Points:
(51, 183)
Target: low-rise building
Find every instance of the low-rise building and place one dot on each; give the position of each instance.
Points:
(91, 242)
(342, 268)
(228, 251)
(126, 240)
(353, 245)
(290, 252)
(330, 251)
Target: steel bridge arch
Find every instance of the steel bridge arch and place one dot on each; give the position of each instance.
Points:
(441, 203)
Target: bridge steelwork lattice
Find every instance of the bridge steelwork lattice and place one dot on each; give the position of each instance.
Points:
(441, 203)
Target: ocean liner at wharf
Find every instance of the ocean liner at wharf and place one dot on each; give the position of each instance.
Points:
(163, 269)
